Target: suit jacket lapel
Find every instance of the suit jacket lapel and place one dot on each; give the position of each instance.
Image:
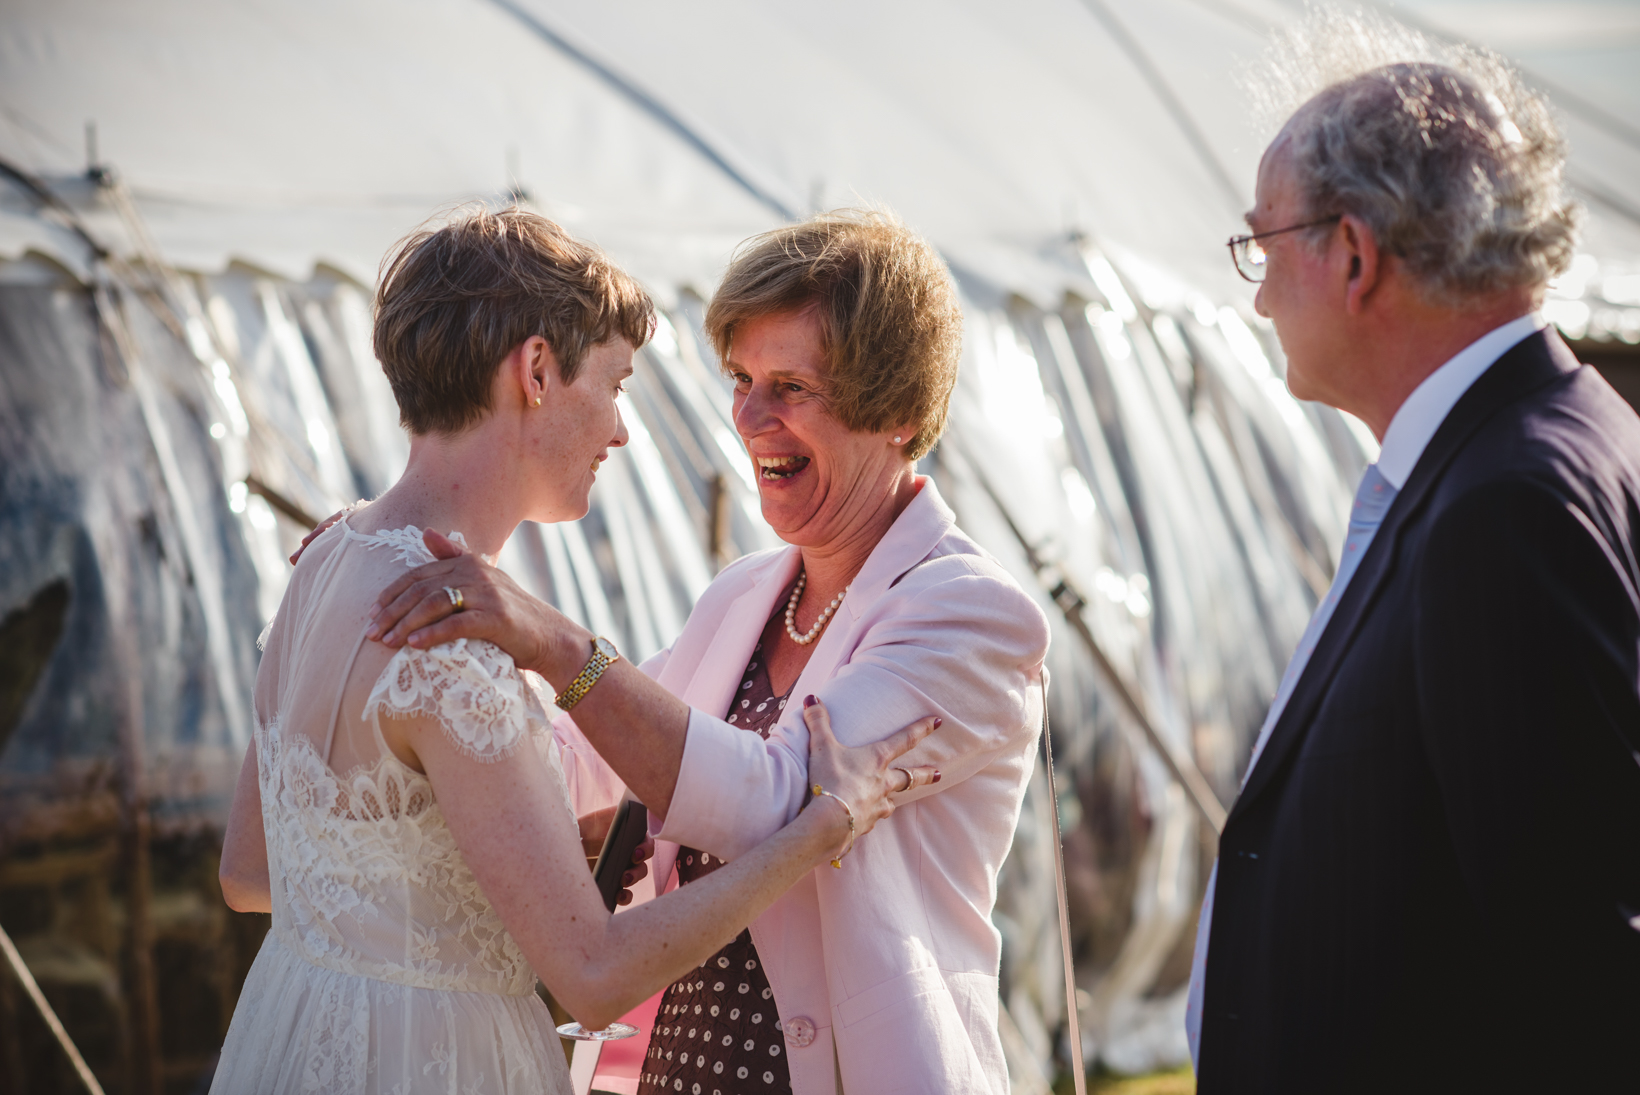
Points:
(720, 649)
(1531, 363)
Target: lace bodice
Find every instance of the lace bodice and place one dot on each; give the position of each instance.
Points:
(366, 875)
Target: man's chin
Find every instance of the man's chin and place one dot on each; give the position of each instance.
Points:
(1298, 384)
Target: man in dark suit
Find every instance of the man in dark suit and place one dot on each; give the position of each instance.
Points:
(1431, 878)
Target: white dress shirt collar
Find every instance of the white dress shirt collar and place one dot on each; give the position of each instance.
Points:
(1427, 407)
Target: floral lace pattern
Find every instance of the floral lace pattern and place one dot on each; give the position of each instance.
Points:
(368, 878)
(408, 542)
(473, 689)
(387, 968)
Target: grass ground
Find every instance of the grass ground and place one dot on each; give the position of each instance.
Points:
(1177, 1082)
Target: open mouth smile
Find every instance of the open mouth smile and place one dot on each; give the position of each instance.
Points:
(780, 467)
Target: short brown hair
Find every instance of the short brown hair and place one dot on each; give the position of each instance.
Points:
(890, 323)
(454, 299)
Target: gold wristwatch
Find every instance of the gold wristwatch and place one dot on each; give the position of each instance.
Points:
(604, 655)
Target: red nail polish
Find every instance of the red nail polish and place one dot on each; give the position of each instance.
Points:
(936, 778)
(809, 701)
(938, 723)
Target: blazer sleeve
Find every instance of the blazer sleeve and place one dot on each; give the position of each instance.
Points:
(954, 639)
(1526, 643)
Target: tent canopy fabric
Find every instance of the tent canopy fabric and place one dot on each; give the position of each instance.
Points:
(291, 134)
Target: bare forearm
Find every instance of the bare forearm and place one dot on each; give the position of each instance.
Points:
(527, 856)
(664, 939)
(637, 726)
(243, 869)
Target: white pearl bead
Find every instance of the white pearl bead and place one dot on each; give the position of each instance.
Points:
(791, 612)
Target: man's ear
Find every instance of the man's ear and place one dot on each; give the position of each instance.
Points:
(1364, 268)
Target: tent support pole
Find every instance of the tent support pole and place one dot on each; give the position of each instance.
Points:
(1079, 1072)
(1182, 767)
(43, 1006)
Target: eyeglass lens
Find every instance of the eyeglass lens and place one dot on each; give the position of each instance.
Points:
(1250, 258)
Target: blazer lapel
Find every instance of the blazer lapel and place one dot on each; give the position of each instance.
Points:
(726, 643)
(720, 649)
(915, 533)
(729, 646)
(1531, 363)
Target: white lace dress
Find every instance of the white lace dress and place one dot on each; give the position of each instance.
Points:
(386, 971)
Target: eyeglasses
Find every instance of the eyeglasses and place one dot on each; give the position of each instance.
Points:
(1250, 257)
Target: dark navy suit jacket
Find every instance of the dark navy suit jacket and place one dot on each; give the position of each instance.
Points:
(1431, 881)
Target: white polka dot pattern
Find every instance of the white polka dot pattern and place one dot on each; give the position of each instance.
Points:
(702, 1040)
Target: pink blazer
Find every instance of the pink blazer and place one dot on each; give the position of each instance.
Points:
(892, 959)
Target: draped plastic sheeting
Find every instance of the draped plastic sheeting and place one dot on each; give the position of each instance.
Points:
(1196, 507)
(1154, 457)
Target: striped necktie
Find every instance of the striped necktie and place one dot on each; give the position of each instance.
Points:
(1372, 501)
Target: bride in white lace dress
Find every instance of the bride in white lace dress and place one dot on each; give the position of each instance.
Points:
(404, 815)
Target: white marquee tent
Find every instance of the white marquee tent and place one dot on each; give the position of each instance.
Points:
(1120, 423)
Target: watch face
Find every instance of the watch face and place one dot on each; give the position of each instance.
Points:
(606, 648)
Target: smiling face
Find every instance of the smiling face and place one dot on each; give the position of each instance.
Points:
(572, 431)
(818, 480)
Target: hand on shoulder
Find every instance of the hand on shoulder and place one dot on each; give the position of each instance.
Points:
(461, 596)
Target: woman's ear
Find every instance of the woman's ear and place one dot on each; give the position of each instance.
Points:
(531, 370)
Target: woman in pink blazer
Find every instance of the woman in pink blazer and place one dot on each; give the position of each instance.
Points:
(842, 336)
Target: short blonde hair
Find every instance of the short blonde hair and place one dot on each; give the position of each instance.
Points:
(454, 299)
(890, 323)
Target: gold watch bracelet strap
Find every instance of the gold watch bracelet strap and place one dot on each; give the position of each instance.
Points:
(585, 679)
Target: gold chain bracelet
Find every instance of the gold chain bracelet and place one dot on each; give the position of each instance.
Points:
(837, 860)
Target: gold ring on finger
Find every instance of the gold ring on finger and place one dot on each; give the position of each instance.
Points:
(908, 780)
(457, 600)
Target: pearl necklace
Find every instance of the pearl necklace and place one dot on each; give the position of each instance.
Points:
(791, 612)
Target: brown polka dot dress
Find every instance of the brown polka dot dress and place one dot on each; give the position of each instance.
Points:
(717, 1032)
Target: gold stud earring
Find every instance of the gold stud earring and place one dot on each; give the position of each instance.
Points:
(537, 401)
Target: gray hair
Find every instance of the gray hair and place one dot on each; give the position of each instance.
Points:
(1451, 160)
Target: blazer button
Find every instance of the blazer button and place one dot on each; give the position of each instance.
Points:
(799, 1030)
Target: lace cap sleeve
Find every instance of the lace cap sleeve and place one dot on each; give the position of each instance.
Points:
(473, 689)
